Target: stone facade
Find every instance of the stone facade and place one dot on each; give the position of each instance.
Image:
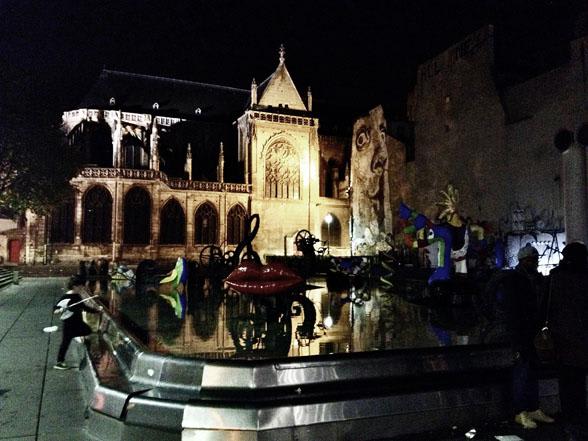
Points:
(495, 144)
(459, 130)
(12, 240)
(127, 142)
(281, 136)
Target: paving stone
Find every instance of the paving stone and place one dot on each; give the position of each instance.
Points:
(23, 352)
(69, 434)
(19, 409)
(61, 410)
(20, 438)
(57, 381)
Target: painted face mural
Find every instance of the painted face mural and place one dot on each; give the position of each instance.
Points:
(369, 181)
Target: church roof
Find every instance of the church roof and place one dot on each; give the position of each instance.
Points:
(279, 89)
(186, 99)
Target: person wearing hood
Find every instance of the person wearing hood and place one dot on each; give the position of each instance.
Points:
(568, 320)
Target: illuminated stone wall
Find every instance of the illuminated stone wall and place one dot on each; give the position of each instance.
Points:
(460, 135)
(283, 167)
(160, 193)
(285, 180)
(279, 157)
(494, 145)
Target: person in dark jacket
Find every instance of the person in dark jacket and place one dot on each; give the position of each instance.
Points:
(73, 324)
(82, 272)
(522, 290)
(568, 321)
(92, 276)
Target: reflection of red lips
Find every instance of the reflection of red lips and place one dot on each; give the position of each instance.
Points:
(252, 278)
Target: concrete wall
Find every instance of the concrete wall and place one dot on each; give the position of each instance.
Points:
(539, 108)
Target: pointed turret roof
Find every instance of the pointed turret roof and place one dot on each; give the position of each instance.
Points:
(280, 91)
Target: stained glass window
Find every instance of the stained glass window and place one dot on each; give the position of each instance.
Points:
(137, 216)
(62, 222)
(205, 225)
(134, 153)
(173, 224)
(97, 216)
(236, 224)
(282, 172)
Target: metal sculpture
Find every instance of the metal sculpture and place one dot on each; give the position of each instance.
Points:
(305, 242)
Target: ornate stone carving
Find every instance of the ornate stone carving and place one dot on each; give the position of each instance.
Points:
(282, 171)
(178, 184)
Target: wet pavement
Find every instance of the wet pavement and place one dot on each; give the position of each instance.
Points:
(36, 401)
(494, 431)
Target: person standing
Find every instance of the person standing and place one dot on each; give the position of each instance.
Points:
(103, 274)
(522, 289)
(92, 276)
(73, 325)
(82, 272)
(568, 321)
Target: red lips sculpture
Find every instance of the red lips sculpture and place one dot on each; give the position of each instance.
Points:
(252, 278)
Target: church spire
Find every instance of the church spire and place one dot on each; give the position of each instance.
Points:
(253, 92)
(279, 90)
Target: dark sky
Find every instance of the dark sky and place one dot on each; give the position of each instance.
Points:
(362, 50)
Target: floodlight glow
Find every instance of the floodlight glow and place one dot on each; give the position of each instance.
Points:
(328, 322)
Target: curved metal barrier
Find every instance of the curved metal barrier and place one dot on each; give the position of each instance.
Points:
(136, 394)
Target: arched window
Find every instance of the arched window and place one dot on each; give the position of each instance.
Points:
(97, 222)
(282, 172)
(93, 141)
(332, 179)
(236, 224)
(137, 216)
(61, 228)
(205, 225)
(134, 153)
(173, 224)
(331, 231)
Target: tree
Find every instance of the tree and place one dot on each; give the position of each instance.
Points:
(35, 164)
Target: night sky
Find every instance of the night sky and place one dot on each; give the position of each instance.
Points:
(359, 51)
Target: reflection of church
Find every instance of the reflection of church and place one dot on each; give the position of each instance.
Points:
(171, 166)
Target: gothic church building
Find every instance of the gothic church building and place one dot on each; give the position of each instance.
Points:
(172, 166)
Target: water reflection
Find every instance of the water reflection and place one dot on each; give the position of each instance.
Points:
(342, 315)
